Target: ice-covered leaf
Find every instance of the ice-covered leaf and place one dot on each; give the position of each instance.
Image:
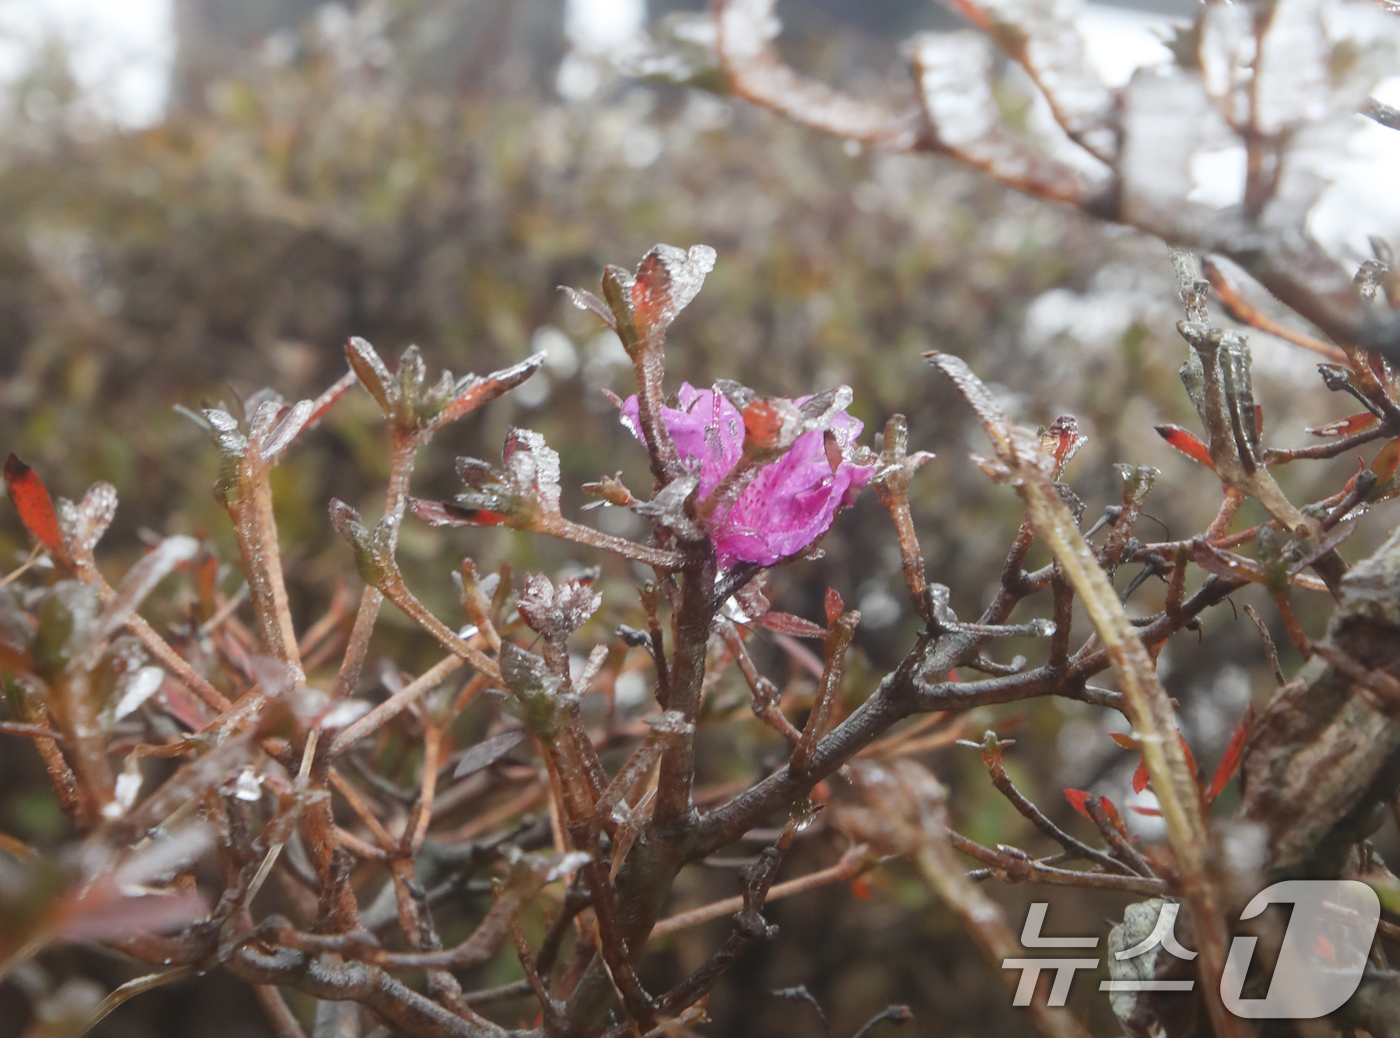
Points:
(587, 301)
(68, 614)
(473, 390)
(348, 524)
(1346, 426)
(104, 912)
(90, 518)
(557, 612)
(488, 751)
(411, 375)
(226, 432)
(533, 689)
(120, 900)
(787, 623)
(323, 403)
(373, 375)
(142, 578)
(273, 676)
(138, 688)
(280, 436)
(1225, 563)
(343, 714)
(667, 279)
(263, 420)
(532, 466)
(668, 506)
(442, 513)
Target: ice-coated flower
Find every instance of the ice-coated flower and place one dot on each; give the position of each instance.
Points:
(790, 502)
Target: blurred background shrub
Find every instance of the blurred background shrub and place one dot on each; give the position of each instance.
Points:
(429, 171)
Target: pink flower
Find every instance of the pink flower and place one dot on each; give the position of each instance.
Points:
(790, 502)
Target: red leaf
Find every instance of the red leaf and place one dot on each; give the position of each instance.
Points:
(206, 579)
(1384, 466)
(1111, 813)
(1190, 757)
(651, 291)
(441, 513)
(1077, 799)
(1324, 949)
(1361, 467)
(1140, 777)
(1230, 762)
(481, 389)
(834, 605)
(34, 504)
(786, 623)
(100, 912)
(1148, 812)
(182, 705)
(832, 447)
(323, 403)
(1346, 426)
(1186, 442)
(860, 887)
(1225, 563)
(763, 423)
(1062, 440)
(1259, 418)
(1124, 740)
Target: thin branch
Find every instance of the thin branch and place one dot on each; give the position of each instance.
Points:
(1145, 702)
(855, 861)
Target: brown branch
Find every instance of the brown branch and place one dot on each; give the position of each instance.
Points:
(855, 861)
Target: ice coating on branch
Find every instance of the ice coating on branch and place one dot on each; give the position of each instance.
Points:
(1292, 80)
(747, 26)
(953, 73)
(791, 501)
(1053, 52)
(1168, 119)
(1227, 50)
